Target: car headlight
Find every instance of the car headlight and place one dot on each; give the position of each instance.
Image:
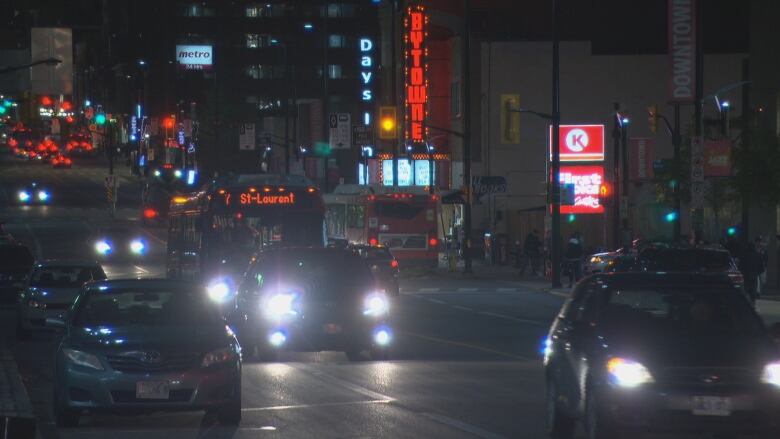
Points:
(137, 246)
(280, 305)
(43, 196)
(218, 291)
(103, 247)
(83, 359)
(596, 260)
(218, 356)
(376, 304)
(627, 373)
(771, 374)
(23, 196)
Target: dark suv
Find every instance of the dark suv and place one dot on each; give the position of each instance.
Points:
(632, 353)
(709, 259)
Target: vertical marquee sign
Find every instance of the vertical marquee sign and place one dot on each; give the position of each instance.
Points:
(416, 73)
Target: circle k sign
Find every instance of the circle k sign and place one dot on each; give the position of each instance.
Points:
(580, 143)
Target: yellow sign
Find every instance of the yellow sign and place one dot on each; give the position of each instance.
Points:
(510, 120)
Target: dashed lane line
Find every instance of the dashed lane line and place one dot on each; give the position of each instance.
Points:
(462, 308)
(308, 406)
(440, 302)
(515, 319)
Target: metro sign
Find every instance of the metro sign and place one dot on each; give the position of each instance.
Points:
(587, 182)
(580, 143)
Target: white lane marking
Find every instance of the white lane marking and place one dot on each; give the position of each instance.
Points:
(343, 383)
(559, 293)
(460, 425)
(506, 290)
(463, 308)
(464, 290)
(36, 242)
(516, 319)
(440, 302)
(432, 290)
(142, 270)
(307, 406)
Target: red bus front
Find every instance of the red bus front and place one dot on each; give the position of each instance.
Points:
(407, 224)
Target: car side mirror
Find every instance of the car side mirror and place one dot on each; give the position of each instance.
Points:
(774, 331)
(55, 323)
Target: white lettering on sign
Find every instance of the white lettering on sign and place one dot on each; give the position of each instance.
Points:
(682, 40)
(194, 57)
(366, 46)
(587, 182)
(577, 140)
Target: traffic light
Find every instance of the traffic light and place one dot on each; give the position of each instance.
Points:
(169, 123)
(652, 118)
(671, 217)
(571, 218)
(387, 123)
(2, 110)
(100, 119)
(731, 231)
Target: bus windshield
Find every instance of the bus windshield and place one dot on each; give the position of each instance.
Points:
(253, 231)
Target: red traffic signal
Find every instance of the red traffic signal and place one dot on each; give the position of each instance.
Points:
(46, 101)
(169, 123)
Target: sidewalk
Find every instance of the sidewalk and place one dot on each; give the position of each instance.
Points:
(16, 416)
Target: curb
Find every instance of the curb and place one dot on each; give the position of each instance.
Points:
(16, 415)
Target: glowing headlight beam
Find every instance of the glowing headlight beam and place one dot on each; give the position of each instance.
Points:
(103, 247)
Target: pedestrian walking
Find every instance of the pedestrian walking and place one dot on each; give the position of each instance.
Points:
(751, 265)
(532, 252)
(574, 253)
(761, 248)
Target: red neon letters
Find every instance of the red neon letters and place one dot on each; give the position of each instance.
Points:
(258, 198)
(416, 81)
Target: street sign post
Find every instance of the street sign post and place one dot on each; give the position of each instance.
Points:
(697, 173)
(362, 135)
(246, 137)
(340, 130)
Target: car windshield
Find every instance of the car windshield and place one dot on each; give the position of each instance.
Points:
(687, 260)
(64, 277)
(15, 255)
(131, 307)
(328, 273)
(680, 312)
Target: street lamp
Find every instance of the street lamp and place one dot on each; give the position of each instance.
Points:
(48, 61)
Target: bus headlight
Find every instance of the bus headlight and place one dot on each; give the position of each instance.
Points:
(23, 196)
(280, 305)
(376, 304)
(137, 246)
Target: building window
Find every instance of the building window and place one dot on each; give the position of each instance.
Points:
(252, 41)
(265, 71)
(455, 99)
(259, 10)
(339, 10)
(197, 10)
(334, 71)
(335, 41)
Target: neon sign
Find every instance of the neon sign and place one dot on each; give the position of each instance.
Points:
(366, 67)
(262, 199)
(587, 182)
(416, 73)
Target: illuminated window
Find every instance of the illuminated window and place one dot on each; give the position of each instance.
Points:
(337, 41)
(334, 71)
(197, 10)
(252, 41)
(339, 10)
(259, 10)
(265, 71)
(252, 11)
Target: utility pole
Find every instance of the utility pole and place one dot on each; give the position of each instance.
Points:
(698, 126)
(747, 114)
(466, 59)
(394, 87)
(625, 238)
(616, 137)
(555, 241)
(287, 109)
(676, 141)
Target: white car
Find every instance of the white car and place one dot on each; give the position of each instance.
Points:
(596, 263)
(51, 288)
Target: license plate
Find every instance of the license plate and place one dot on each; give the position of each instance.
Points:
(152, 390)
(711, 406)
(332, 328)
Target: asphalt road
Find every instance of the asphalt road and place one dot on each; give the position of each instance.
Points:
(465, 360)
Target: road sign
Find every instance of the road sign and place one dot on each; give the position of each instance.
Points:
(697, 159)
(111, 181)
(362, 135)
(246, 137)
(92, 127)
(340, 130)
(89, 113)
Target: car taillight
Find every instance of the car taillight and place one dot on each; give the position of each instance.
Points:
(150, 213)
(373, 241)
(737, 277)
(68, 161)
(394, 263)
(433, 242)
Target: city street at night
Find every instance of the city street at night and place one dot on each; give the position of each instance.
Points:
(381, 219)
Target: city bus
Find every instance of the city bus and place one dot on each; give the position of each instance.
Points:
(405, 219)
(217, 230)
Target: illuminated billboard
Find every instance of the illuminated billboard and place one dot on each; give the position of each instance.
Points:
(580, 143)
(587, 180)
(194, 57)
